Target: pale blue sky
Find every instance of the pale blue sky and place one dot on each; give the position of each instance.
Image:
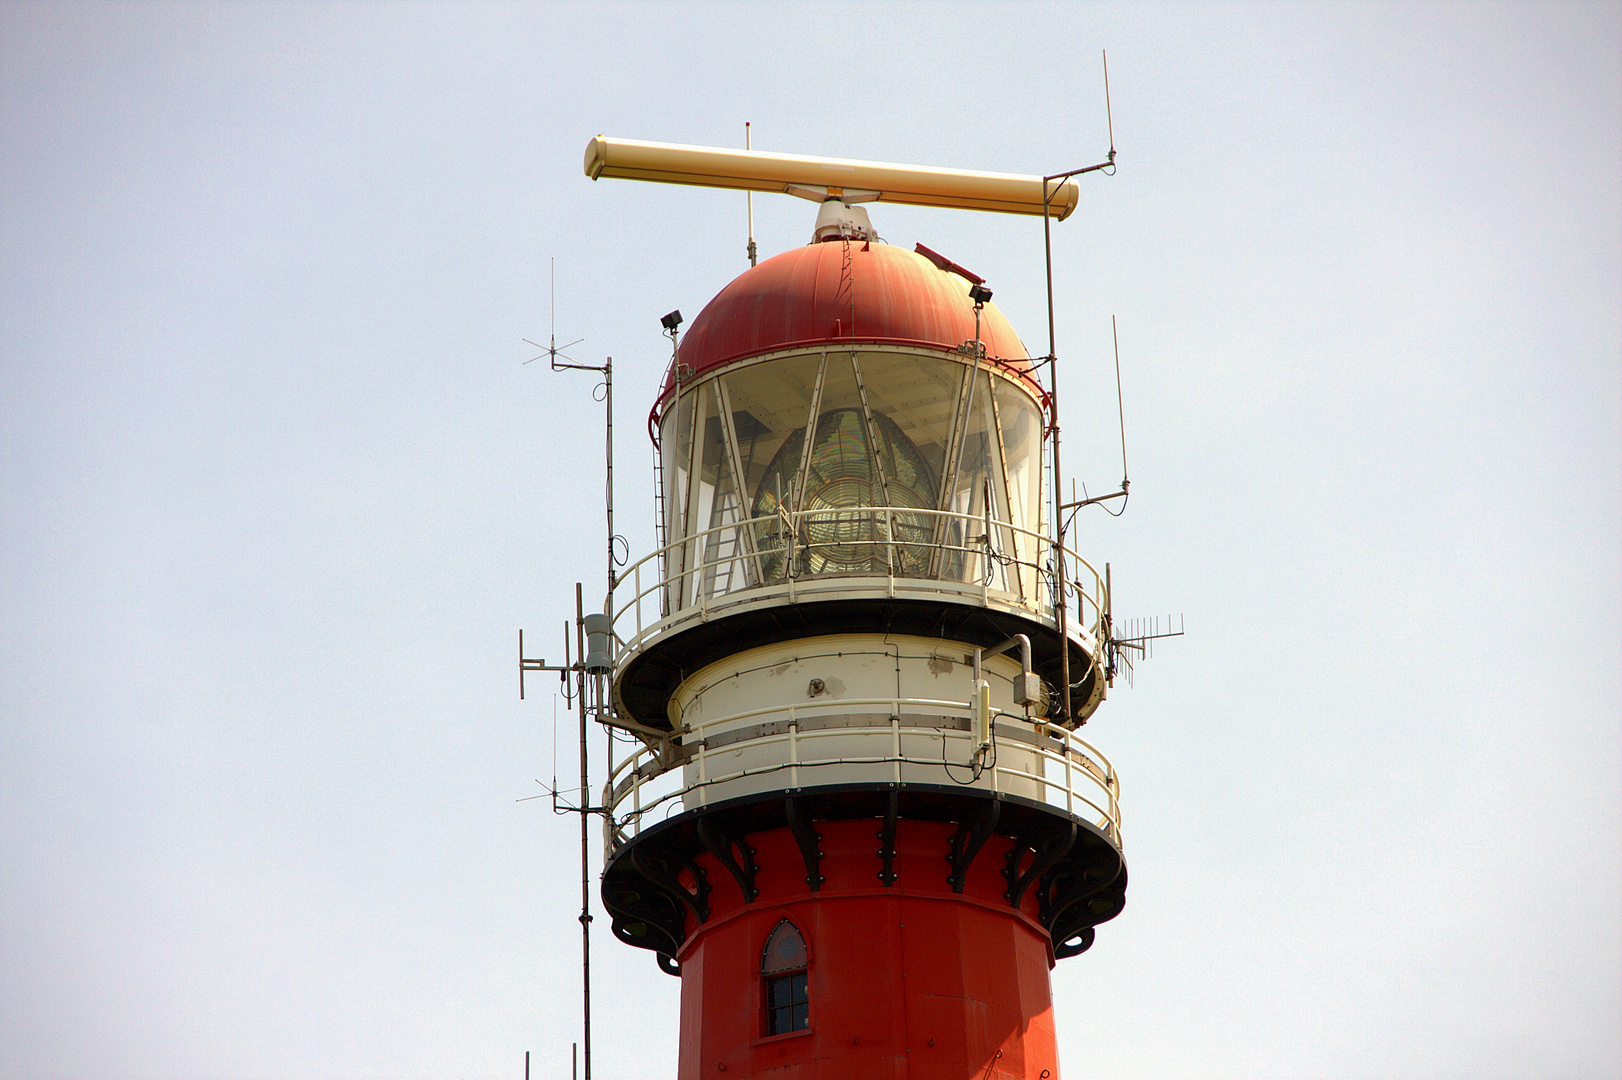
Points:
(276, 494)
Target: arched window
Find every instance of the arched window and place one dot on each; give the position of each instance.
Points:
(782, 965)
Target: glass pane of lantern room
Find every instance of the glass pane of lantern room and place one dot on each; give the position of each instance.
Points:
(1021, 422)
(708, 453)
(831, 479)
(724, 549)
(913, 398)
(818, 479)
(973, 472)
(770, 402)
(675, 457)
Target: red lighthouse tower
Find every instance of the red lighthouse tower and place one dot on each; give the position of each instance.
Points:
(858, 823)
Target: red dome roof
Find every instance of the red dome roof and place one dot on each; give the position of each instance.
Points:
(806, 296)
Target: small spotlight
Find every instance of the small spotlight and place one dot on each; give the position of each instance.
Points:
(673, 320)
(979, 293)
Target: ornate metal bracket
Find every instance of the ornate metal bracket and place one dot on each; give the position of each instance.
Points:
(1076, 899)
(1046, 849)
(719, 844)
(658, 872)
(886, 852)
(972, 833)
(808, 840)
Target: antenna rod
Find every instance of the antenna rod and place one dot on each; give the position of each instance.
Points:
(1049, 193)
(1120, 409)
(749, 198)
(1058, 487)
(1110, 119)
(585, 875)
(608, 488)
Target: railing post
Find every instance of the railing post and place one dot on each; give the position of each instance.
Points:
(793, 749)
(636, 796)
(895, 739)
(1069, 781)
(703, 752)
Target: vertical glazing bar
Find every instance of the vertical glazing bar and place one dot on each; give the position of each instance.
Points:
(740, 482)
(695, 461)
(800, 475)
(1007, 490)
(954, 438)
(877, 458)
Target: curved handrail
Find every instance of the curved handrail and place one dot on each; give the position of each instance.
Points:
(1069, 772)
(689, 581)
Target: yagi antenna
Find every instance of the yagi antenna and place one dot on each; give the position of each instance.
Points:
(551, 350)
(1140, 637)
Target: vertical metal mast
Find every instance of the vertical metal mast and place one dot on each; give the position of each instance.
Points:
(585, 802)
(1053, 427)
(553, 353)
(608, 489)
(749, 198)
(1053, 403)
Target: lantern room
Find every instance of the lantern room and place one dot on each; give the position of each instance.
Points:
(853, 430)
(849, 410)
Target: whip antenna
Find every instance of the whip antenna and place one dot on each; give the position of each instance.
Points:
(551, 350)
(1108, 118)
(1120, 409)
(749, 198)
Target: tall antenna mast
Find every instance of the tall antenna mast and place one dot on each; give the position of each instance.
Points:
(1059, 179)
(603, 392)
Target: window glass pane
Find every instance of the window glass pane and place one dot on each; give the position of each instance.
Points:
(1021, 424)
(850, 473)
(770, 401)
(789, 1007)
(722, 552)
(785, 950)
(675, 459)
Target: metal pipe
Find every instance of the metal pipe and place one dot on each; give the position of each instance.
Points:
(608, 489)
(1021, 640)
(1053, 428)
(585, 802)
(749, 198)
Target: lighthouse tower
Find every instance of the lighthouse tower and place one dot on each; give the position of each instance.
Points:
(855, 817)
